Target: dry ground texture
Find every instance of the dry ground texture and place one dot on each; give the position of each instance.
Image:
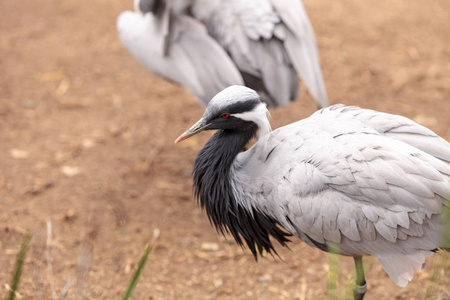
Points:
(86, 140)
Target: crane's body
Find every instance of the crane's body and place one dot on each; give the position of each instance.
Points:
(354, 181)
(264, 44)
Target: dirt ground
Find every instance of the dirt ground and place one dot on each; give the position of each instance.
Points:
(86, 141)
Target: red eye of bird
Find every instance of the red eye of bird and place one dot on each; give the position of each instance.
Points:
(225, 116)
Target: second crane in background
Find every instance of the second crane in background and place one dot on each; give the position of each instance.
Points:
(209, 45)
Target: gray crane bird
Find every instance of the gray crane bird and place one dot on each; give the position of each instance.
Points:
(347, 180)
(207, 45)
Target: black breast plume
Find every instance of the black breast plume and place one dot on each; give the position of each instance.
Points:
(213, 190)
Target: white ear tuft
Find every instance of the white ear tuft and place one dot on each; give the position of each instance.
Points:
(260, 116)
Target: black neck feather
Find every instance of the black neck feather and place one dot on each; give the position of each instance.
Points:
(212, 186)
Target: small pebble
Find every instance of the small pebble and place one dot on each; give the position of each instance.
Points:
(19, 154)
(70, 171)
(87, 143)
(210, 246)
(218, 283)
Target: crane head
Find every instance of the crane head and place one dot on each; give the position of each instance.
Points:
(235, 108)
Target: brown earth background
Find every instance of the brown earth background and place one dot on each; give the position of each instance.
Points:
(86, 141)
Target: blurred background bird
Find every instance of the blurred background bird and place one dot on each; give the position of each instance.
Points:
(346, 180)
(207, 45)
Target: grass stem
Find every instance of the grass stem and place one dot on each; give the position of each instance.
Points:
(20, 260)
(134, 280)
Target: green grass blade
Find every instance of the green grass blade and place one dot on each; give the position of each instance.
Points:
(333, 272)
(134, 280)
(433, 283)
(333, 277)
(441, 263)
(17, 273)
(349, 288)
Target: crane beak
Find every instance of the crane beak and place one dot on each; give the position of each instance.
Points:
(196, 128)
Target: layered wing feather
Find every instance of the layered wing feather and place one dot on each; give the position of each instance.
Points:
(193, 59)
(399, 128)
(347, 179)
(301, 47)
(270, 42)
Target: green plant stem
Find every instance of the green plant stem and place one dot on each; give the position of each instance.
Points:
(333, 277)
(134, 280)
(17, 273)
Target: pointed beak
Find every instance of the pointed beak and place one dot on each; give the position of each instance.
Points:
(196, 128)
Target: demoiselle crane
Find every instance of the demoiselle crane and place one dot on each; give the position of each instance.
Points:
(346, 180)
(207, 45)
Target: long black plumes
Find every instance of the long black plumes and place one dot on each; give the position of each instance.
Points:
(213, 190)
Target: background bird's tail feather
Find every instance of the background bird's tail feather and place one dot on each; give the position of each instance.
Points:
(305, 58)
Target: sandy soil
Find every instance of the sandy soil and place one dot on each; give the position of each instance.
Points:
(86, 141)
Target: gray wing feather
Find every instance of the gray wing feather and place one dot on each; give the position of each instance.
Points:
(211, 64)
(400, 128)
(342, 176)
(401, 269)
(301, 47)
(278, 75)
(193, 59)
(247, 35)
(268, 43)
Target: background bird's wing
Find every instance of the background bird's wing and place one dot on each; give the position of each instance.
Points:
(166, 20)
(194, 59)
(301, 46)
(246, 30)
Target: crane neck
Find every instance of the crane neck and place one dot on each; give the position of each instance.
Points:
(215, 190)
